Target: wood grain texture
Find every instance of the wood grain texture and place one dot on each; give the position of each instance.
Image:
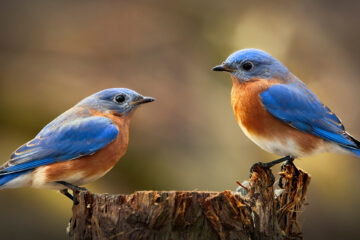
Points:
(257, 214)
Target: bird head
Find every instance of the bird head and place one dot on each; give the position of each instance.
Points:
(248, 64)
(119, 101)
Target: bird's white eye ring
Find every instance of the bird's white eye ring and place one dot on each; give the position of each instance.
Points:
(247, 65)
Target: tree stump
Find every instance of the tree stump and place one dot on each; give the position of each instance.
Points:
(253, 212)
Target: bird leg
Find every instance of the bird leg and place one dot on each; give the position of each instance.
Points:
(73, 188)
(290, 162)
(268, 165)
(71, 197)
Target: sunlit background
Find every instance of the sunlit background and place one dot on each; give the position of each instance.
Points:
(54, 53)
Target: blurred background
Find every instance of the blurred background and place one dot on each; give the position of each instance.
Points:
(54, 53)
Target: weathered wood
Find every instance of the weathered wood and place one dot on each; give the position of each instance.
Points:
(257, 213)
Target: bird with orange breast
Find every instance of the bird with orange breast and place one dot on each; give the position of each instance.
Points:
(79, 146)
(278, 112)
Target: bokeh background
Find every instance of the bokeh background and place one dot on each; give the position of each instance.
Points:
(54, 53)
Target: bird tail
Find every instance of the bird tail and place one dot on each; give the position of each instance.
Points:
(355, 151)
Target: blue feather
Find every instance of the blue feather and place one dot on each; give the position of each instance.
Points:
(297, 106)
(26, 165)
(70, 140)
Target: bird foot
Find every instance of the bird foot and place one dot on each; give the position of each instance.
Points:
(287, 168)
(291, 163)
(268, 165)
(266, 168)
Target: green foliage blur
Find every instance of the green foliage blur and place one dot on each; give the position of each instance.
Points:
(54, 53)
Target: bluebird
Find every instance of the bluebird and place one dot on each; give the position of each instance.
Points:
(79, 146)
(278, 112)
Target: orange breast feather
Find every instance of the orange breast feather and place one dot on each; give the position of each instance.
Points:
(92, 167)
(258, 122)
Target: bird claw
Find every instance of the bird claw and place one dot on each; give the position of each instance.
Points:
(291, 163)
(283, 169)
(268, 165)
(258, 164)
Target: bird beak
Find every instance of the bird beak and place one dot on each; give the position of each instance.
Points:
(147, 100)
(143, 100)
(223, 68)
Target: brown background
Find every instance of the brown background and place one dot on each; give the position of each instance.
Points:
(54, 53)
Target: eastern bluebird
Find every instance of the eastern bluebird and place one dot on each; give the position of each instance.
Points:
(278, 112)
(79, 146)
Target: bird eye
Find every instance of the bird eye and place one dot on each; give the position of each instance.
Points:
(247, 66)
(120, 98)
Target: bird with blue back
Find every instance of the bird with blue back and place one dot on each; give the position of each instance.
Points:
(79, 146)
(279, 113)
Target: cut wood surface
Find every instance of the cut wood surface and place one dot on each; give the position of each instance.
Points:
(253, 212)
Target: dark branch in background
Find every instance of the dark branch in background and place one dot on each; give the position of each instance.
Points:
(254, 212)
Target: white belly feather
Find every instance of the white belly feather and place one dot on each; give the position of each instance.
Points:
(288, 147)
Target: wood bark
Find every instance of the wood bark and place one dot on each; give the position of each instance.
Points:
(253, 212)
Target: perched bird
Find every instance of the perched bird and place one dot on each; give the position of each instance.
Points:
(278, 112)
(79, 146)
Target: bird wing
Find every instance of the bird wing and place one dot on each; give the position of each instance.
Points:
(71, 140)
(301, 109)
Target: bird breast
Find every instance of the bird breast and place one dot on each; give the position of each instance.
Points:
(265, 130)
